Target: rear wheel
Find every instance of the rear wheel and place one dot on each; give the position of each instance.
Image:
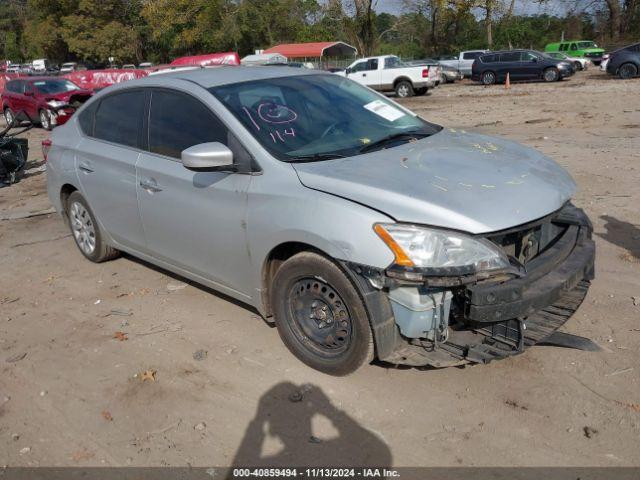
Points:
(551, 75)
(404, 89)
(45, 120)
(488, 78)
(320, 315)
(627, 70)
(9, 117)
(86, 231)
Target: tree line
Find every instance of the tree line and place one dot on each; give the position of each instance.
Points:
(132, 31)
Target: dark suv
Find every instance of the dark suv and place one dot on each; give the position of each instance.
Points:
(625, 62)
(520, 65)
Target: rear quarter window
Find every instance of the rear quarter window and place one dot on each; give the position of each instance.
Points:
(86, 118)
(118, 118)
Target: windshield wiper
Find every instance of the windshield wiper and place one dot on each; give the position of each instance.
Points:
(390, 138)
(316, 157)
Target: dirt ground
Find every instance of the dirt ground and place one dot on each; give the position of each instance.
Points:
(226, 390)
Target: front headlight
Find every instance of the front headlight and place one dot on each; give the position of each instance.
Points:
(56, 103)
(426, 248)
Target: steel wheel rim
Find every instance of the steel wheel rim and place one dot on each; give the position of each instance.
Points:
(321, 320)
(44, 120)
(82, 227)
(403, 91)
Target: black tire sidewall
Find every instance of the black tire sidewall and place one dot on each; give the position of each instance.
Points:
(484, 75)
(552, 69)
(410, 90)
(633, 73)
(306, 265)
(98, 251)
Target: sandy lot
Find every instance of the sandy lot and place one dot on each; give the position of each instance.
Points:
(72, 394)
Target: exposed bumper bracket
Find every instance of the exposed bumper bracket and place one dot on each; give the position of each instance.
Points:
(567, 340)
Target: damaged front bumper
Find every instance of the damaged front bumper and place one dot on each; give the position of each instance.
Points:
(453, 320)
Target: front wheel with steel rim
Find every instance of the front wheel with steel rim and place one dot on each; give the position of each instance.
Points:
(45, 120)
(320, 315)
(488, 78)
(628, 70)
(551, 75)
(8, 116)
(86, 231)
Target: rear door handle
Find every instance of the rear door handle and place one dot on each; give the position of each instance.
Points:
(150, 185)
(85, 167)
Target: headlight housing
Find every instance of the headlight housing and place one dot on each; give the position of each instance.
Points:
(56, 103)
(440, 250)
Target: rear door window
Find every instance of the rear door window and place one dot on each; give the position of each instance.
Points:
(178, 121)
(510, 57)
(119, 118)
(574, 47)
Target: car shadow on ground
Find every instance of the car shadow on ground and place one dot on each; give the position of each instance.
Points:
(622, 234)
(284, 432)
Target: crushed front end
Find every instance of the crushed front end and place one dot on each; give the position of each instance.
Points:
(458, 316)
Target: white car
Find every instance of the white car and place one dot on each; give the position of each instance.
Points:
(579, 62)
(388, 73)
(68, 67)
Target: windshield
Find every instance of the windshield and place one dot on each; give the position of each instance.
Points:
(583, 45)
(55, 86)
(318, 116)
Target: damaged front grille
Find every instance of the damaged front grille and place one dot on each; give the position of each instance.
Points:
(528, 241)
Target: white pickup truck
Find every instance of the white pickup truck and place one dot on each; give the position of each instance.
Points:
(388, 73)
(462, 62)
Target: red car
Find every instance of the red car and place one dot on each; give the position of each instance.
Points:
(49, 101)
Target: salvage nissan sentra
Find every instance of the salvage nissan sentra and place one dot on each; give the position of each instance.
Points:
(360, 229)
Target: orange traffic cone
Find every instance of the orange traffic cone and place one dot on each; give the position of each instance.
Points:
(507, 83)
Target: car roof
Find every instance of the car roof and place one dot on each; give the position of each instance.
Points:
(224, 75)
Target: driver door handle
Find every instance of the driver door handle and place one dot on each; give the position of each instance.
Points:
(150, 185)
(85, 167)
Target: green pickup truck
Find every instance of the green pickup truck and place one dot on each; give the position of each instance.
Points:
(578, 48)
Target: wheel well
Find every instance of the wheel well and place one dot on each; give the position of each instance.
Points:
(274, 260)
(402, 79)
(66, 190)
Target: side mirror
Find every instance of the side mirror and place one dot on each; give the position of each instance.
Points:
(534, 60)
(208, 156)
(347, 71)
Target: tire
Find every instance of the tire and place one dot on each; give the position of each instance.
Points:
(320, 315)
(488, 78)
(404, 89)
(86, 232)
(578, 66)
(551, 75)
(9, 117)
(627, 71)
(421, 91)
(45, 119)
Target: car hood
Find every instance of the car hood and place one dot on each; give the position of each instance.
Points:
(453, 179)
(66, 96)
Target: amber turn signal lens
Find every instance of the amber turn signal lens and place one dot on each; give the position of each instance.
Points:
(401, 257)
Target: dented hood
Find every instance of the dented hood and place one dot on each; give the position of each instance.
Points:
(453, 179)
